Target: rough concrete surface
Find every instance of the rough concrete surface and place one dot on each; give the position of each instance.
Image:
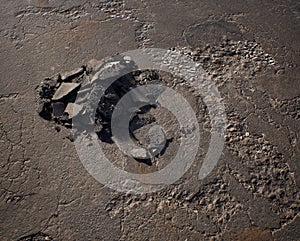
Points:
(251, 51)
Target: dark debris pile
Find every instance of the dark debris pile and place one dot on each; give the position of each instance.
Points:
(57, 94)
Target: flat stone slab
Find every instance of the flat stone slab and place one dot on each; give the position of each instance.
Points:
(64, 89)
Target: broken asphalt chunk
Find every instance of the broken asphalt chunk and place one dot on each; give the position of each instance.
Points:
(72, 74)
(58, 108)
(139, 153)
(64, 89)
(72, 109)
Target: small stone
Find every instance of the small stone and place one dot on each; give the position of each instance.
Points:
(70, 137)
(232, 129)
(140, 153)
(272, 195)
(72, 74)
(216, 201)
(127, 59)
(157, 140)
(58, 108)
(64, 89)
(210, 207)
(57, 128)
(72, 109)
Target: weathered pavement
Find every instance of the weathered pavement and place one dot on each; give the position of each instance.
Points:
(253, 192)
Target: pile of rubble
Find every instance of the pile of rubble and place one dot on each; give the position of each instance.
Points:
(57, 94)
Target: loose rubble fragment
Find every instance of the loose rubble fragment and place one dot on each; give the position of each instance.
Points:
(64, 89)
(72, 74)
(37, 237)
(55, 94)
(140, 153)
(72, 110)
(57, 97)
(157, 140)
(58, 108)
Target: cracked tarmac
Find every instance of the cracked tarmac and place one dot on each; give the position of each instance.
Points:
(251, 52)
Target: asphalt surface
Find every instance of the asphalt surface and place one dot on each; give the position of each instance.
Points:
(250, 49)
